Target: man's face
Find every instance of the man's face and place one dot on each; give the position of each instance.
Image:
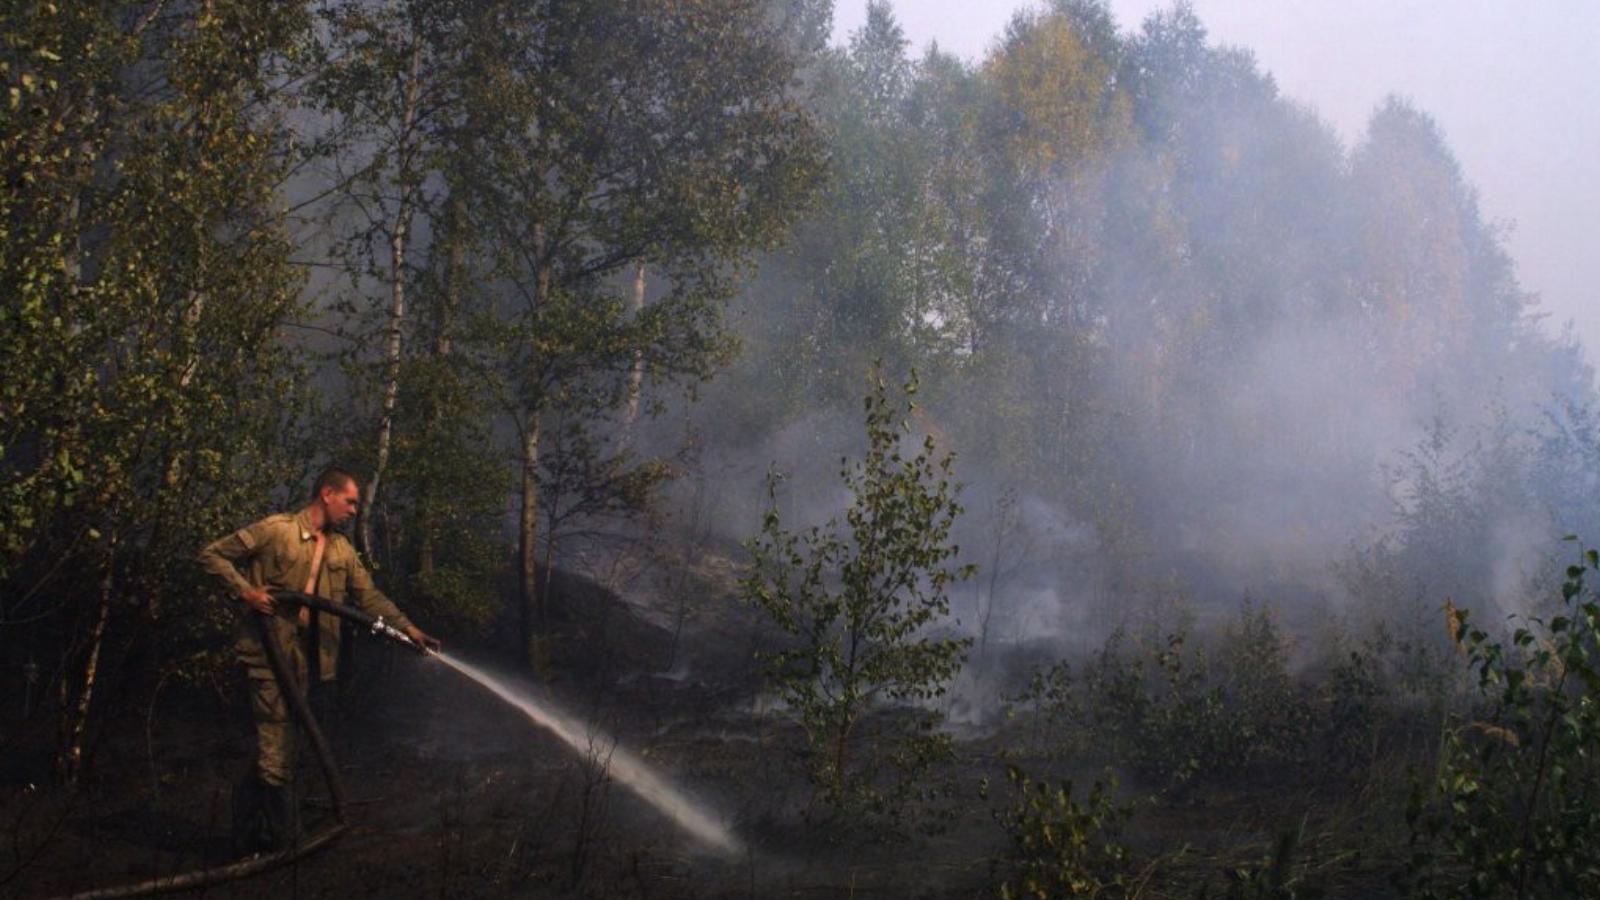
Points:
(341, 503)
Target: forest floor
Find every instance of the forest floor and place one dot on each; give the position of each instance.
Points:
(454, 794)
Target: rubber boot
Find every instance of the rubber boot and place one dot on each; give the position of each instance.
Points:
(283, 815)
(250, 827)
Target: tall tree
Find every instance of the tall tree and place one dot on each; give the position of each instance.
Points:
(402, 93)
(380, 79)
(1440, 288)
(139, 409)
(624, 133)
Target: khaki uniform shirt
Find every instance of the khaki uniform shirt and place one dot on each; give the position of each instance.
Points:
(276, 552)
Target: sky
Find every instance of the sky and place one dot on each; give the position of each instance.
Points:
(1514, 87)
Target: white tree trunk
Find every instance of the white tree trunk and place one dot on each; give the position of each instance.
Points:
(534, 620)
(70, 763)
(636, 371)
(397, 311)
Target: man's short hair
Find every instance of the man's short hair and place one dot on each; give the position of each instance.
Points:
(331, 477)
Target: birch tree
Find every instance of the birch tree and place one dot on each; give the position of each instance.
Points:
(623, 133)
(141, 167)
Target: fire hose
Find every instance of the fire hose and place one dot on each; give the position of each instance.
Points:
(300, 708)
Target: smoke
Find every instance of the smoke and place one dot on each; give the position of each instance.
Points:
(1521, 549)
(1253, 328)
(1281, 472)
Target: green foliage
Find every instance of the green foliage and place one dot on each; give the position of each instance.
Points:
(481, 174)
(445, 507)
(1104, 234)
(860, 602)
(499, 173)
(1442, 516)
(1356, 698)
(609, 137)
(1565, 459)
(1176, 714)
(1060, 846)
(1511, 810)
(146, 271)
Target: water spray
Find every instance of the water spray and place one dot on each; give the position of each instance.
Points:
(627, 768)
(632, 772)
(624, 766)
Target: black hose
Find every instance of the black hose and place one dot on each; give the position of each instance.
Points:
(291, 689)
(375, 624)
(282, 595)
(289, 686)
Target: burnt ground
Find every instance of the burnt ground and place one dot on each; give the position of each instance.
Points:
(455, 794)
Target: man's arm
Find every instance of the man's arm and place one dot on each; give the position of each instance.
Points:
(219, 558)
(374, 603)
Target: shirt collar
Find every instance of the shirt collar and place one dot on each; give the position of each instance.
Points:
(303, 520)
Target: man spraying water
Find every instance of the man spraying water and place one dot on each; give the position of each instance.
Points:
(297, 552)
(299, 579)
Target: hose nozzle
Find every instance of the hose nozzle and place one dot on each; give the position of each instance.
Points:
(384, 629)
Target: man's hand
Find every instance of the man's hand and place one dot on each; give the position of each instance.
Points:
(259, 600)
(423, 639)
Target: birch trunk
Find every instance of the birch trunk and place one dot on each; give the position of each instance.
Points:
(174, 455)
(636, 370)
(397, 311)
(70, 764)
(443, 325)
(534, 619)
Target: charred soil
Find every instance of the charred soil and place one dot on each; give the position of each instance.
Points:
(453, 793)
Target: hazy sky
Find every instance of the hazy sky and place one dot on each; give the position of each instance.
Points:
(1514, 86)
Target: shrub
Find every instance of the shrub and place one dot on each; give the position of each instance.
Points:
(1355, 697)
(1172, 712)
(1512, 808)
(857, 600)
(1062, 847)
